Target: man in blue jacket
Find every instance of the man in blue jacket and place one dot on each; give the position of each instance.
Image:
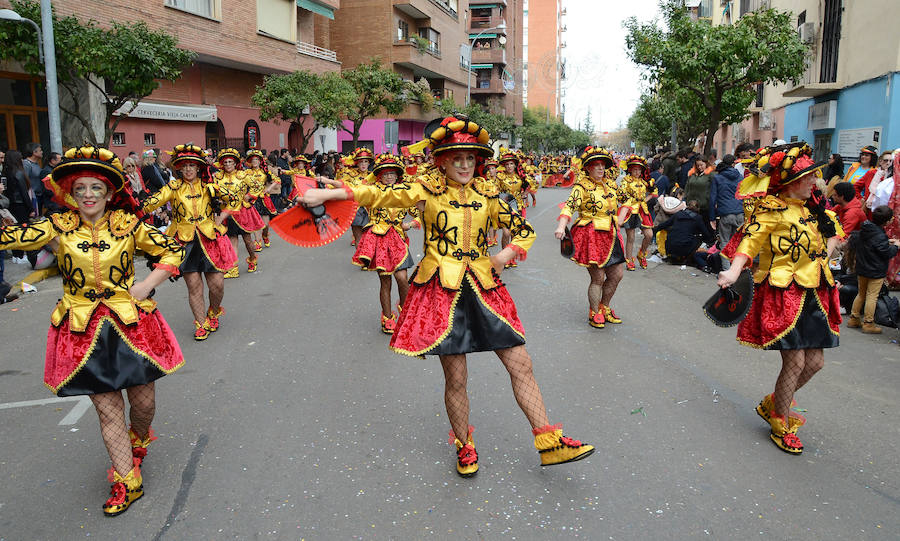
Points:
(723, 205)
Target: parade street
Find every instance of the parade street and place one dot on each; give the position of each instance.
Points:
(295, 420)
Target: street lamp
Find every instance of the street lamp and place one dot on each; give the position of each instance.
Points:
(46, 51)
(501, 26)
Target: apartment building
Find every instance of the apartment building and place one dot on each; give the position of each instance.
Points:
(544, 47)
(237, 43)
(848, 96)
(418, 39)
(496, 32)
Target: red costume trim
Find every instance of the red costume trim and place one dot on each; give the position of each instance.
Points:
(592, 246)
(521, 254)
(172, 269)
(545, 429)
(382, 253)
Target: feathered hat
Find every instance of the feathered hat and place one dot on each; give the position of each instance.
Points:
(388, 161)
(300, 158)
(188, 152)
(773, 168)
(507, 155)
(232, 153)
(257, 153)
(453, 133)
(596, 153)
(94, 162)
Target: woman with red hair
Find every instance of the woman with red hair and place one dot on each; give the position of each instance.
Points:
(106, 334)
(795, 306)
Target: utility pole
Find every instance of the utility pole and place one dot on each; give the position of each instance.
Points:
(50, 72)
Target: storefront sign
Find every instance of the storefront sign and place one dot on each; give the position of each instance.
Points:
(850, 141)
(159, 111)
(822, 116)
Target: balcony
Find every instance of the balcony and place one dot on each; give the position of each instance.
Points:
(494, 55)
(319, 52)
(477, 24)
(475, 4)
(417, 9)
(488, 86)
(422, 62)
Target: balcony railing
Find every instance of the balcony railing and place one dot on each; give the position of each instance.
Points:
(488, 86)
(480, 23)
(493, 55)
(316, 51)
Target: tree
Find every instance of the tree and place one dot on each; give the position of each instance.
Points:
(588, 124)
(124, 63)
(651, 122)
(554, 136)
(720, 65)
(304, 95)
(375, 89)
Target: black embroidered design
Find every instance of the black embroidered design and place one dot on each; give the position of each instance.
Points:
(475, 205)
(86, 246)
(73, 277)
(92, 294)
(794, 243)
(459, 254)
(120, 275)
(443, 235)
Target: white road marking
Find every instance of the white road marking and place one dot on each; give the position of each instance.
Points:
(84, 404)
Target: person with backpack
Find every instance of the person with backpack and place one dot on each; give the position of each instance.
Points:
(873, 252)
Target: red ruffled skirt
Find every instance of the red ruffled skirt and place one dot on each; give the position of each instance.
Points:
(593, 247)
(246, 220)
(386, 253)
(792, 318)
(439, 321)
(110, 355)
(208, 255)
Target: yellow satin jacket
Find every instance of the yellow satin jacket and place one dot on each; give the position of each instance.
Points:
(455, 222)
(514, 186)
(785, 235)
(633, 193)
(382, 219)
(596, 203)
(96, 261)
(256, 180)
(353, 176)
(192, 207)
(235, 184)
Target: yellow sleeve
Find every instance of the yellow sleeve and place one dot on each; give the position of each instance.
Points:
(400, 195)
(757, 232)
(158, 199)
(27, 236)
(573, 203)
(837, 223)
(523, 234)
(155, 243)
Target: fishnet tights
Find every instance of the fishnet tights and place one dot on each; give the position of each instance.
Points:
(111, 413)
(384, 294)
(604, 282)
(248, 243)
(194, 283)
(797, 367)
(518, 363)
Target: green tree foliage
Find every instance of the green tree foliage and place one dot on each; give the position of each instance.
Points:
(719, 65)
(124, 63)
(651, 122)
(536, 134)
(375, 89)
(302, 96)
(495, 124)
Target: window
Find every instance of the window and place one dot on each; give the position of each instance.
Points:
(277, 19)
(448, 93)
(204, 8)
(402, 30)
(118, 139)
(149, 139)
(434, 39)
(831, 39)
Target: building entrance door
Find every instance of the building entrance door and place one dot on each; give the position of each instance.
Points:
(23, 112)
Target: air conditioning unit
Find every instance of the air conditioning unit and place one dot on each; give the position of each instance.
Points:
(807, 32)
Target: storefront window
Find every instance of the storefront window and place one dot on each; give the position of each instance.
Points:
(149, 139)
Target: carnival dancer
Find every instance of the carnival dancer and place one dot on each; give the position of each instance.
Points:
(513, 186)
(595, 235)
(383, 245)
(263, 184)
(194, 197)
(534, 176)
(106, 334)
(635, 191)
(457, 303)
(492, 182)
(795, 306)
(238, 213)
(354, 174)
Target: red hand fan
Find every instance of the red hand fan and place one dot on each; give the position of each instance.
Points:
(314, 226)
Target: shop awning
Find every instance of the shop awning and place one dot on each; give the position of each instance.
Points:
(473, 36)
(160, 111)
(482, 66)
(319, 9)
(480, 5)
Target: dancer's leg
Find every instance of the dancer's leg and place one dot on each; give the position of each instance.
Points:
(456, 399)
(111, 412)
(525, 388)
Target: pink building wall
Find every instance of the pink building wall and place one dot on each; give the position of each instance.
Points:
(409, 131)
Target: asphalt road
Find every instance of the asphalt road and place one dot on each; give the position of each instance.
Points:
(295, 421)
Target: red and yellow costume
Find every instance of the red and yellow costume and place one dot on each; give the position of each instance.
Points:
(259, 180)
(595, 234)
(634, 191)
(384, 245)
(101, 339)
(242, 217)
(352, 176)
(456, 273)
(515, 184)
(299, 166)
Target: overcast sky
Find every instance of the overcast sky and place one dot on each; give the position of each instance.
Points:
(600, 76)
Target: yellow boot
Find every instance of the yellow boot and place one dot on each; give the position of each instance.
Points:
(784, 435)
(466, 456)
(233, 272)
(556, 448)
(766, 409)
(125, 491)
